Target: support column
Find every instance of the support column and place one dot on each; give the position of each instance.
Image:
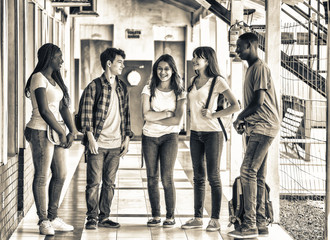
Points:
(273, 59)
(237, 72)
(327, 188)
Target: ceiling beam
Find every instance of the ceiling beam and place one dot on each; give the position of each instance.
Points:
(179, 5)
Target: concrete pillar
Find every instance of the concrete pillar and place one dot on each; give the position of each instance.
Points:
(327, 188)
(235, 144)
(273, 59)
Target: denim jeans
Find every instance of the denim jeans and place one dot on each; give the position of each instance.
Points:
(253, 174)
(102, 166)
(208, 144)
(46, 158)
(161, 151)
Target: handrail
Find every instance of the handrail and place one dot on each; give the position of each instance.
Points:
(315, 10)
(291, 63)
(296, 20)
(304, 15)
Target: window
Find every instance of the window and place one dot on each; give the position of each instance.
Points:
(4, 77)
(85, 10)
(11, 80)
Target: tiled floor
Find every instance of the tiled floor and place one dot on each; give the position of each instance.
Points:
(131, 207)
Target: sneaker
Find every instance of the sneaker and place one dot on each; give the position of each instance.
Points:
(263, 231)
(193, 223)
(59, 225)
(108, 223)
(213, 226)
(91, 223)
(153, 222)
(45, 228)
(168, 223)
(244, 232)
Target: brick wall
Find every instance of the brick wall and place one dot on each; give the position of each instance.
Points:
(15, 192)
(28, 199)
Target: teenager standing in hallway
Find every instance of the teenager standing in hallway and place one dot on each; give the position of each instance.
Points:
(163, 102)
(50, 103)
(107, 130)
(206, 138)
(262, 123)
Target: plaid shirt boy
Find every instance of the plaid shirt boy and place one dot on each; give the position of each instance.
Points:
(87, 114)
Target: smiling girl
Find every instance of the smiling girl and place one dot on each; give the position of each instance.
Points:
(50, 103)
(163, 102)
(206, 138)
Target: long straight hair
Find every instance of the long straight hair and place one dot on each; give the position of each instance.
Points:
(208, 53)
(176, 81)
(45, 54)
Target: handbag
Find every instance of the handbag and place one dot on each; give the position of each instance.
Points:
(53, 136)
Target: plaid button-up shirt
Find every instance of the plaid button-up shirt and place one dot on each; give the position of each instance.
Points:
(90, 118)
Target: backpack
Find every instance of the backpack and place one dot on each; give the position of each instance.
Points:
(77, 117)
(222, 103)
(236, 205)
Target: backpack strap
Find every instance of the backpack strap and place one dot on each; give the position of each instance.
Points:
(210, 92)
(98, 91)
(237, 200)
(207, 105)
(268, 206)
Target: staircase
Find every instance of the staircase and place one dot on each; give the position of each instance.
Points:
(294, 63)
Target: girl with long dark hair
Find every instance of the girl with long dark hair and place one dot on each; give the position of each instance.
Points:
(50, 100)
(206, 138)
(163, 102)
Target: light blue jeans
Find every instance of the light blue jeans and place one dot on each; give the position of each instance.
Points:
(47, 159)
(253, 175)
(101, 167)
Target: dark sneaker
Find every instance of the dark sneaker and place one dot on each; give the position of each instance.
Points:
(193, 223)
(153, 222)
(168, 223)
(263, 231)
(108, 223)
(213, 225)
(91, 223)
(244, 232)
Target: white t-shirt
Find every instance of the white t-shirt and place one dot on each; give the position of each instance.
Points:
(110, 136)
(162, 101)
(197, 101)
(54, 96)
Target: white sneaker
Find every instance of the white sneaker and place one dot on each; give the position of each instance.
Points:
(45, 228)
(59, 225)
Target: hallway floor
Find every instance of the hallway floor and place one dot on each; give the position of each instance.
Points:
(131, 207)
